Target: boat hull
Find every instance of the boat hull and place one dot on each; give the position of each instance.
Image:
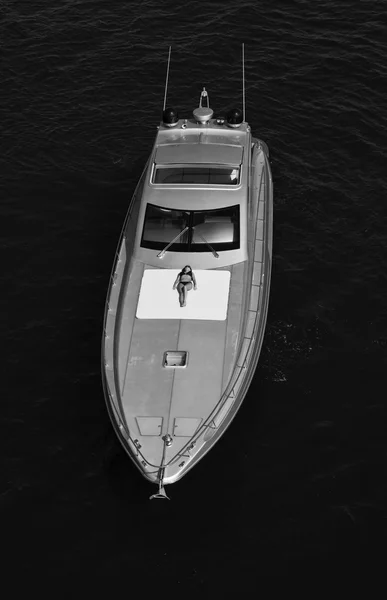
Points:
(155, 458)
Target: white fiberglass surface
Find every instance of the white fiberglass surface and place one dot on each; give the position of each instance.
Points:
(159, 301)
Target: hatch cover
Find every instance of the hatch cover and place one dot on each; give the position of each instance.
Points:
(175, 359)
(149, 425)
(185, 426)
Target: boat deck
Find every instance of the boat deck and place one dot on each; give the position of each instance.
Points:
(150, 390)
(216, 328)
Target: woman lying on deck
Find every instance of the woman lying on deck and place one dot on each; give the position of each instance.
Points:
(184, 282)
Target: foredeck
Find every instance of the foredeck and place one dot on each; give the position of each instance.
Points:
(153, 395)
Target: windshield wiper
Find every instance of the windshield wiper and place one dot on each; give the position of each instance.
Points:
(163, 251)
(209, 245)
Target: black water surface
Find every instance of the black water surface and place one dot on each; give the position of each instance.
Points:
(299, 480)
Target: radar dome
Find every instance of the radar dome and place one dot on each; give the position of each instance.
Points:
(170, 117)
(234, 117)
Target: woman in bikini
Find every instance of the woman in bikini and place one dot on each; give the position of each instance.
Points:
(184, 282)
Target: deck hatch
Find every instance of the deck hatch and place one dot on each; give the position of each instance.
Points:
(149, 425)
(185, 426)
(175, 358)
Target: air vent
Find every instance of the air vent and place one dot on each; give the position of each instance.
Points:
(175, 358)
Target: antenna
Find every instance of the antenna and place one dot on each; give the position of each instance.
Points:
(243, 75)
(166, 80)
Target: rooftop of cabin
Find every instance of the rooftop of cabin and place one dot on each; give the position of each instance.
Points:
(199, 165)
(195, 154)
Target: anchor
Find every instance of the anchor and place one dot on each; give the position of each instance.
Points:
(168, 440)
(161, 493)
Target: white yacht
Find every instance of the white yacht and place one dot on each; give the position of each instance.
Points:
(181, 345)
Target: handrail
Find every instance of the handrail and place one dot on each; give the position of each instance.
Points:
(107, 299)
(128, 215)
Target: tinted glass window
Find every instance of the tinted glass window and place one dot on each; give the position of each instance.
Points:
(198, 175)
(163, 224)
(219, 228)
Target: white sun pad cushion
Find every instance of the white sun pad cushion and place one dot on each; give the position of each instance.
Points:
(158, 300)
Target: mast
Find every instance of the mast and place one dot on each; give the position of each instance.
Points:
(243, 82)
(166, 79)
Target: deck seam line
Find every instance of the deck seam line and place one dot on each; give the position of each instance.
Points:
(173, 382)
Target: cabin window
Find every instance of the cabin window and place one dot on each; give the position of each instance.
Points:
(219, 228)
(203, 174)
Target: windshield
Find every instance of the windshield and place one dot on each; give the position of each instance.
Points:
(203, 174)
(219, 228)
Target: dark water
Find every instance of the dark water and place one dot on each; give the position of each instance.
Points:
(299, 480)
